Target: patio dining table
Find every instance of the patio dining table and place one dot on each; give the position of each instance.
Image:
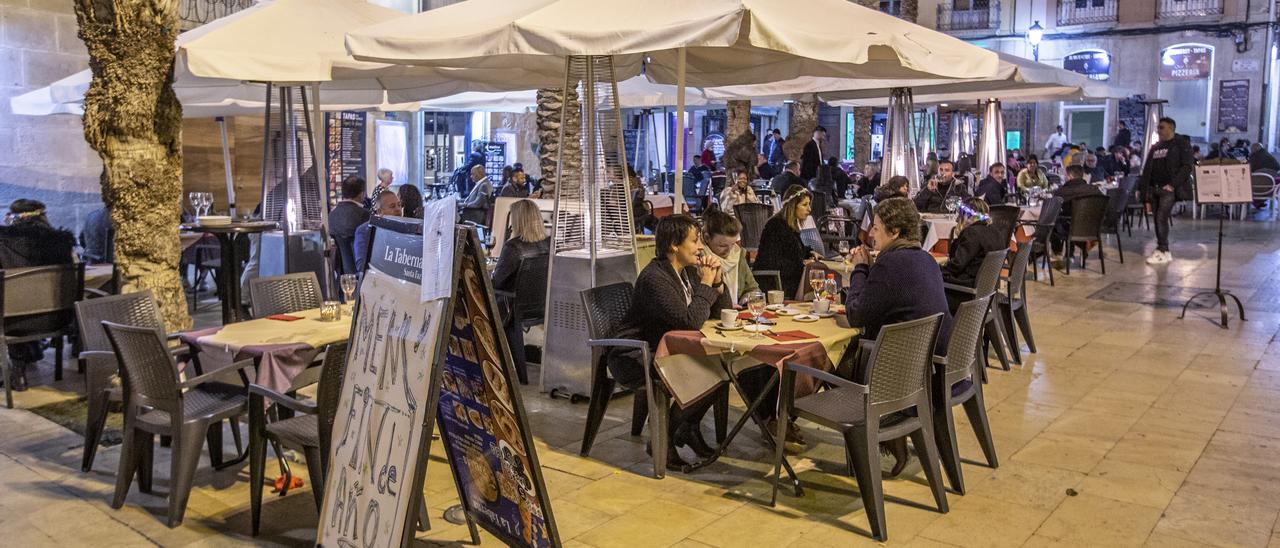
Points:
(280, 349)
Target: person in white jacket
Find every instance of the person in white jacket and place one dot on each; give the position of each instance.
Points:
(740, 192)
(1054, 144)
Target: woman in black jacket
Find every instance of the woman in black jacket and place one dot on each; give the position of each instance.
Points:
(29, 240)
(903, 285)
(528, 240)
(679, 290)
(780, 245)
(975, 237)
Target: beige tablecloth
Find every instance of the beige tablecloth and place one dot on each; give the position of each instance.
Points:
(282, 348)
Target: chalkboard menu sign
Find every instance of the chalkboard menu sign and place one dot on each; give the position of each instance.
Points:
(1134, 115)
(344, 149)
(481, 417)
(632, 141)
(1233, 106)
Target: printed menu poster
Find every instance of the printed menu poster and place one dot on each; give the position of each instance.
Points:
(1223, 184)
(374, 483)
(344, 149)
(481, 418)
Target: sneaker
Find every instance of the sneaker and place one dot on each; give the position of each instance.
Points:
(1159, 258)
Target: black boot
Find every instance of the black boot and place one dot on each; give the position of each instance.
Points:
(691, 436)
(901, 456)
(18, 374)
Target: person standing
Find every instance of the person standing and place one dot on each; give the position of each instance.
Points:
(811, 157)
(1165, 179)
(1123, 136)
(1053, 146)
(775, 155)
(385, 178)
(345, 218)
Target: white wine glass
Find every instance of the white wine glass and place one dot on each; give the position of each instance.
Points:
(206, 199)
(756, 304)
(348, 284)
(193, 198)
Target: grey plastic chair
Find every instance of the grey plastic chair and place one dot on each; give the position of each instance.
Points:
(888, 402)
(1012, 304)
(37, 303)
(526, 304)
(753, 218)
(769, 280)
(1049, 210)
(311, 431)
(957, 381)
(157, 403)
(986, 282)
(1005, 218)
(1087, 215)
(284, 294)
(135, 309)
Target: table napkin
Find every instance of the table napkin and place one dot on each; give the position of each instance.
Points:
(790, 336)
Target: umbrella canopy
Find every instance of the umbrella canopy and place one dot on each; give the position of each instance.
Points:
(727, 42)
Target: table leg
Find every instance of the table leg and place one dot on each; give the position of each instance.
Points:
(231, 310)
(742, 421)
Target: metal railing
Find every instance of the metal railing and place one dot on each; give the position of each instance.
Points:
(193, 13)
(1082, 12)
(1188, 8)
(968, 15)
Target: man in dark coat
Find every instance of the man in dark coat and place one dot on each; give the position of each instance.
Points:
(1260, 159)
(1123, 136)
(789, 176)
(933, 197)
(870, 180)
(1166, 179)
(811, 157)
(348, 215)
(1074, 187)
(774, 154)
(994, 187)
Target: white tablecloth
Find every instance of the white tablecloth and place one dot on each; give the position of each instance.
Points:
(940, 227)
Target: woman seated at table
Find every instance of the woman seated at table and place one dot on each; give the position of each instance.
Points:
(895, 188)
(780, 246)
(975, 237)
(29, 240)
(904, 284)
(720, 234)
(528, 240)
(740, 192)
(1032, 175)
(679, 290)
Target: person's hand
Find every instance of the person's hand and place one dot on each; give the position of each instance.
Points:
(933, 185)
(708, 269)
(1168, 188)
(858, 256)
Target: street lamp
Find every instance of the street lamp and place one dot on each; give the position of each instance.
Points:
(1034, 35)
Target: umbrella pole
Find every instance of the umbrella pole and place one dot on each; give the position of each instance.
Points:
(226, 168)
(679, 168)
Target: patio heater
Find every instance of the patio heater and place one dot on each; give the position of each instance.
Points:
(592, 242)
(925, 132)
(991, 146)
(900, 145)
(292, 187)
(957, 135)
(1150, 135)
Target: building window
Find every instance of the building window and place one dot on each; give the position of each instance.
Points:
(1186, 72)
(1188, 8)
(891, 7)
(959, 15)
(1081, 12)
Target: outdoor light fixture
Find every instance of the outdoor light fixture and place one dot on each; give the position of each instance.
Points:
(1034, 35)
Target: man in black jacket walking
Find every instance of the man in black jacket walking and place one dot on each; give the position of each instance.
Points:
(812, 155)
(1165, 179)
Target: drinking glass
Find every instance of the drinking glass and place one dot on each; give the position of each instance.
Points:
(756, 304)
(193, 198)
(207, 200)
(348, 283)
(816, 277)
(951, 204)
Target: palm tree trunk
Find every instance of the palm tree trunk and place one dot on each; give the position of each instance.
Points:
(549, 103)
(134, 121)
(804, 118)
(740, 148)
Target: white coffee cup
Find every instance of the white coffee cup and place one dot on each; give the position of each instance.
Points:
(729, 318)
(821, 306)
(775, 297)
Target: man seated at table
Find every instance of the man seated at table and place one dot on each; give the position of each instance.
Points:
(27, 239)
(870, 180)
(345, 218)
(933, 197)
(1074, 187)
(994, 187)
(476, 207)
(790, 176)
(388, 205)
(517, 186)
(97, 238)
(1094, 172)
(679, 290)
(904, 284)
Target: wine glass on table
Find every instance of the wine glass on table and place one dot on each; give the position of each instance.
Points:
(348, 284)
(193, 198)
(816, 277)
(756, 304)
(206, 200)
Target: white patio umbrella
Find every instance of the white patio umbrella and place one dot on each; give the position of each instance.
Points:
(635, 92)
(702, 44)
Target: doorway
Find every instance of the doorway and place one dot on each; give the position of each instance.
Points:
(1087, 126)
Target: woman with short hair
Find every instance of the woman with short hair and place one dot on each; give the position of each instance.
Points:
(1032, 175)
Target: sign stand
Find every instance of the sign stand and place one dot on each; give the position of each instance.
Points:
(1221, 184)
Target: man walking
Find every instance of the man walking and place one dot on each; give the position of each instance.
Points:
(812, 155)
(775, 155)
(1165, 179)
(1054, 145)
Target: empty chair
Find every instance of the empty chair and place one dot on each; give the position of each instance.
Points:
(957, 381)
(1117, 199)
(1049, 210)
(157, 403)
(526, 306)
(311, 431)
(135, 309)
(1087, 214)
(1012, 304)
(889, 400)
(284, 294)
(753, 217)
(37, 303)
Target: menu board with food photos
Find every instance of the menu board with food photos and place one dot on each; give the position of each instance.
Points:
(344, 149)
(481, 416)
(382, 429)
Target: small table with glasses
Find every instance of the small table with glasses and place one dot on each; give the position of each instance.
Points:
(229, 275)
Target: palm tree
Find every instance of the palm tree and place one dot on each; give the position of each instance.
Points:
(549, 103)
(134, 121)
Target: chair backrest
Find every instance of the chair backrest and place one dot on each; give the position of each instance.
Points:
(135, 309)
(1018, 270)
(901, 362)
(1264, 185)
(1054, 179)
(1005, 218)
(148, 373)
(329, 393)
(753, 218)
(805, 288)
(1087, 213)
(284, 294)
(966, 332)
(531, 288)
(1050, 208)
(989, 272)
(606, 308)
(30, 291)
(1117, 201)
(768, 280)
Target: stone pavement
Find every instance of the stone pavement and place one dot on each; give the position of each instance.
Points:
(1128, 427)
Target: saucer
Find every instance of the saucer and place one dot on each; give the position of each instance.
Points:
(805, 318)
(721, 327)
